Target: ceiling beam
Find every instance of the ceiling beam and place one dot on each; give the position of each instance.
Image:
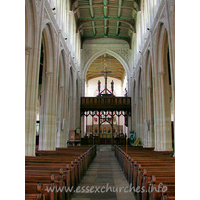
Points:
(118, 15)
(108, 35)
(105, 7)
(90, 27)
(119, 8)
(108, 6)
(106, 17)
(83, 21)
(92, 15)
(105, 27)
(105, 10)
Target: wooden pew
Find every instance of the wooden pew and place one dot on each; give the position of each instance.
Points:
(156, 191)
(136, 164)
(39, 168)
(146, 182)
(170, 193)
(34, 191)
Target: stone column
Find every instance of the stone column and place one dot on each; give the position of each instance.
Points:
(83, 87)
(59, 117)
(77, 108)
(151, 124)
(145, 115)
(82, 126)
(139, 125)
(49, 141)
(73, 117)
(166, 139)
(30, 112)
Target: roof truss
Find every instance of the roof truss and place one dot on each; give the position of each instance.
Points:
(101, 15)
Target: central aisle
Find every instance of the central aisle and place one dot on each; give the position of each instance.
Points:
(104, 174)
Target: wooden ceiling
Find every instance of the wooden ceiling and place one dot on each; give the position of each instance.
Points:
(113, 65)
(105, 18)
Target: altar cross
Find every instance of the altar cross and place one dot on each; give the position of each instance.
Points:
(105, 76)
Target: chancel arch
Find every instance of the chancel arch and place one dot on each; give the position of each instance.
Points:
(98, 54)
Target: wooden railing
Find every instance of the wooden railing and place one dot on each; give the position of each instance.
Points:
(106, 103)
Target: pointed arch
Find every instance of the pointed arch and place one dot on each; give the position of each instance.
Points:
(110, 52)
(162, 73)
(149, 102)
(49, 45)
(95, 56)
(48, 111)
(31, 71)
(60, 103)
(30, 23)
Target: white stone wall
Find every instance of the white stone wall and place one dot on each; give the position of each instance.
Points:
(62, 52)
(152, 99)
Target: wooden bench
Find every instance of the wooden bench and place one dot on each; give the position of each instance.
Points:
(167, 190)
(146, 182)
(34, 191)
(140, 165)
(60, 168)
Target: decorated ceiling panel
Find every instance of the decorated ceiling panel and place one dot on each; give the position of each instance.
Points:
(105, 18)
(113, 65)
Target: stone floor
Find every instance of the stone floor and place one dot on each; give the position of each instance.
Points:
(104, 180)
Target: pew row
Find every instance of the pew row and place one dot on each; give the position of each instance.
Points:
(56, 174)
(141, 164)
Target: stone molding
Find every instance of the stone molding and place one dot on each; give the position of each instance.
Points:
(27, 50)
(38, 4)
(161, 16)
(122, 52)
(48, 17)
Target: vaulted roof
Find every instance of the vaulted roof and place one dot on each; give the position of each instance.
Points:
(105, 18)
(113, 65)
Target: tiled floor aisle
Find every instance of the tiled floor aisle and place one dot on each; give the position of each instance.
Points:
(104, 172)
